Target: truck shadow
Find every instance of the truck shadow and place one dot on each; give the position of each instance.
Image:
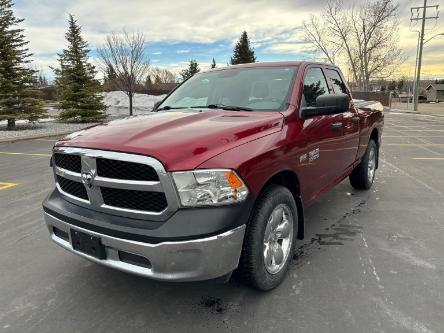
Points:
(330, 222)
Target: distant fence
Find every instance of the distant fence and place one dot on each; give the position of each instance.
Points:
(384, 97)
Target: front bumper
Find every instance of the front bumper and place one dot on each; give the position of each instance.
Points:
(190, 260)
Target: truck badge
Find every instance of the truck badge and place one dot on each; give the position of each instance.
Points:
(313, 155)
(88, 179)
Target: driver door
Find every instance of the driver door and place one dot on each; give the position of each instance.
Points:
(321, 161)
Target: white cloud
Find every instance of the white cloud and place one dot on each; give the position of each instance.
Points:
(289, 48)
(272, 26)
(162, 21)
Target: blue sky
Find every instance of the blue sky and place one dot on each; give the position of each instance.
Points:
(170, 54)
(177, 31)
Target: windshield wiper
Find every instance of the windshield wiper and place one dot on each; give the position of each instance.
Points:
(228, 107)
(209, 106)
(167, 107)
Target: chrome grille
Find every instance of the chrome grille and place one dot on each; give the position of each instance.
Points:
(117, 183)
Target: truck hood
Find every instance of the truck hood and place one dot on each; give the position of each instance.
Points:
(181, 140)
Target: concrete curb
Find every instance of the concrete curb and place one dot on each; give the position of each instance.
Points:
(414, 112)
(40, 136)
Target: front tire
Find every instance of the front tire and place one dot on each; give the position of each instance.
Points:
(270, 239)
(363, 175)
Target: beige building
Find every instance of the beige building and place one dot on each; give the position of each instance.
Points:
(435, 93)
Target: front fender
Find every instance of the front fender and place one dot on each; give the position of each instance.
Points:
(255, 161)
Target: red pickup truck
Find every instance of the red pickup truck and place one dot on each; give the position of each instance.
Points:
(216, 179)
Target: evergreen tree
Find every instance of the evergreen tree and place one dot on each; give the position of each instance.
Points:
(213, 64)
(110, 73)
(192, 69)
(400, 85)
(148, 81)
(243, 53)
(77, 88)
(42, 81)
(18, 93)
(109, 80)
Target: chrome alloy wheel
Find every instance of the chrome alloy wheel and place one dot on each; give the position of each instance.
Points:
(278, 238)
(371, 166)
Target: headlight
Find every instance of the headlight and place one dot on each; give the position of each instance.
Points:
(209, 187)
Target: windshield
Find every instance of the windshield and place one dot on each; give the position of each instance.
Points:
(258, 88)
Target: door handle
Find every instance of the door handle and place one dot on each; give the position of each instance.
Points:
(336, 125)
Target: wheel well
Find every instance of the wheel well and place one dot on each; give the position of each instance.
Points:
(290, 180)
(375, 138)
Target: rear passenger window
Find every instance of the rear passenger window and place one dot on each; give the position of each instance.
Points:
(314, 86)
(336, 81)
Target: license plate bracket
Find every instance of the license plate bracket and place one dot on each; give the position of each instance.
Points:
(87, 244)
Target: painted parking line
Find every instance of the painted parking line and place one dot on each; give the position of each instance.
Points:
(428, 158)
(413, 136)
(24, 154)
(417, 130)
(4, 186)
(415, 144)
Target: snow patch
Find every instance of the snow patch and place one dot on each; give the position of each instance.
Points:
(140, 101)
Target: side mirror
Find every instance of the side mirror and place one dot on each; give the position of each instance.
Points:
(327, 104)
(156, 105)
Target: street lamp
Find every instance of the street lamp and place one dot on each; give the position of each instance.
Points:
(440, 34)
(415, 82)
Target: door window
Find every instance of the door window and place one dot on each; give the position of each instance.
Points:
(336, 81)
(315, 85)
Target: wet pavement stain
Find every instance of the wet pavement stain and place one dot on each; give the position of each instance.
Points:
(339, 232)
(343, 232)
(214, 304)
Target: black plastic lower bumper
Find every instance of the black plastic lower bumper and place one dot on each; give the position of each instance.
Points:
(185, 224)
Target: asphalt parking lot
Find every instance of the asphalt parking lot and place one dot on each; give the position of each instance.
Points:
(371, 261)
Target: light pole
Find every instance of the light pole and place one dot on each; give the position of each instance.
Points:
(416, 68)
(421, 44)
(415, 83)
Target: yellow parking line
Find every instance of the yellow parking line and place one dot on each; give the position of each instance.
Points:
(25, 154)
(428, 158)
(4, 186)
(415, 144)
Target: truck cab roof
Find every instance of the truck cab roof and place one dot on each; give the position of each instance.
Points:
(274, 64)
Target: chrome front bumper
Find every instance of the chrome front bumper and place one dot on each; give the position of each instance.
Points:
(193, 260)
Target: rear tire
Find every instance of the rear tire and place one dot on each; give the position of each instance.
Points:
(269, 240)
(363, 175)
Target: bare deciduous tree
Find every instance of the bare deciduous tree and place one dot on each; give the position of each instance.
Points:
(364, 37)
(161, 75)
(125, 55)
(318, 35)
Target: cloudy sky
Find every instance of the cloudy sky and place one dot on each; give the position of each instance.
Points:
(177, 31)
